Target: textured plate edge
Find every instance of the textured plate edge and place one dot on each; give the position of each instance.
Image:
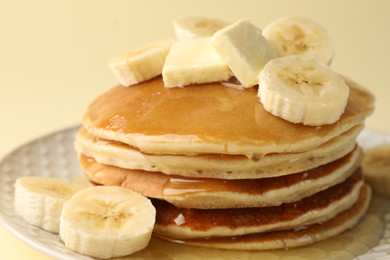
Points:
(14, 229)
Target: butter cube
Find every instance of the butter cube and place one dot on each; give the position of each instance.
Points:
(244, 50)
(193, 61)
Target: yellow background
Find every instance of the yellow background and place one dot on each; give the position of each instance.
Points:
(53, 56)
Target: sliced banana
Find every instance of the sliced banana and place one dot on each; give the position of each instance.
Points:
(107, 221)
(302, 91)
(376, 168)
(245, 51)
(39, 200)
(300, 36)
(191, 27)
(141, 64)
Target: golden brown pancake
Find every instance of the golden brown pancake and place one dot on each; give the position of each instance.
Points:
(219, 166)
(209, 118)
(182, 223)
(217, 193)
(285, 239)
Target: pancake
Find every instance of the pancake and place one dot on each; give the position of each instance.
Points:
(221, 170)
(215, 165)
(291, 238)
(216, 193)
(180, 223)
(209, 118)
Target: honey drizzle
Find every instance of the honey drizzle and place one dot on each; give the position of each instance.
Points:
(180, 185)
(165, 186)
(198, 219)
(210, 112)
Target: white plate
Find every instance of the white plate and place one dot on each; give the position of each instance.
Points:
(54, 156)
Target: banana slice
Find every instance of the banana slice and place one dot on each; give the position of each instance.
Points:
(191, 27)
(39, 200)
(107, 221)
(300, 36)
(376, 168)
(141, 64)
(245, 51)
(302, 91)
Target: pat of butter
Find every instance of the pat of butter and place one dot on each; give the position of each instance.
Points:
(244, 49)
(193, 61)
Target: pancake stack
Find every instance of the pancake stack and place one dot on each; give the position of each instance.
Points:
(223, 172)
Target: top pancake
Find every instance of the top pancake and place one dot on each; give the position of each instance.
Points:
(209, 118)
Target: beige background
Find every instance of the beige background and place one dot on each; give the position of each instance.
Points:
(53, 56)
